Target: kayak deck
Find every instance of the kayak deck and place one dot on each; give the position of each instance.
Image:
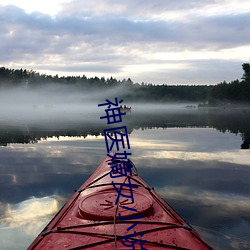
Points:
(92, 220)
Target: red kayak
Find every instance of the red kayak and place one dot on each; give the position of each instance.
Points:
(117, 210)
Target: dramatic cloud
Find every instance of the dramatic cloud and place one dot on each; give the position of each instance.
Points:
(151, 41)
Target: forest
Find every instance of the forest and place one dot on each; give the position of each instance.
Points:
(224, 93)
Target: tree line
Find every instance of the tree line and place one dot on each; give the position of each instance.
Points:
(236, 91)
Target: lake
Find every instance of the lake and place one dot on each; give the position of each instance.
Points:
(198, 160)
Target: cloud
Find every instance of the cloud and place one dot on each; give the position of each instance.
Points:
(29, 210)
(115, 31)
(229, 204)
(141, 10)
(26, 220)
(95, 38)
(120, 30)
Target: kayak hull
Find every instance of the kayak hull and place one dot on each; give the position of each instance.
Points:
(92, 220)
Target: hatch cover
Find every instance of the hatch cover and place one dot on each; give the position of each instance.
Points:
(101, 205)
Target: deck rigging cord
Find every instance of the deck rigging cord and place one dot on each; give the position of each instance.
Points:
(115, 237)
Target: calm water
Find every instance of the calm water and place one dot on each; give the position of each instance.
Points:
(193, 158)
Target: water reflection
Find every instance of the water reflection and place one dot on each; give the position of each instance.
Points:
(233, 121)
(201, 174)
(19, 222)
(193, 161)
(29, 210)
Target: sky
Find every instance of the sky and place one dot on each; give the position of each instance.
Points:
(153, 41)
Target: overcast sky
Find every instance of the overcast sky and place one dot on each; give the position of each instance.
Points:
(157, 41)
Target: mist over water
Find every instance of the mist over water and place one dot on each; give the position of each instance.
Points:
(60, 102)
(55, 102)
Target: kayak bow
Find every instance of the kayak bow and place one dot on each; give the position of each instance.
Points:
(92, 220)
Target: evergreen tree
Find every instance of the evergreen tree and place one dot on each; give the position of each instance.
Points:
(246, 69)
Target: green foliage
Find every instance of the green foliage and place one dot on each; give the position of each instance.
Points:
(234, 92)
(246, 75)
(222, 93)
